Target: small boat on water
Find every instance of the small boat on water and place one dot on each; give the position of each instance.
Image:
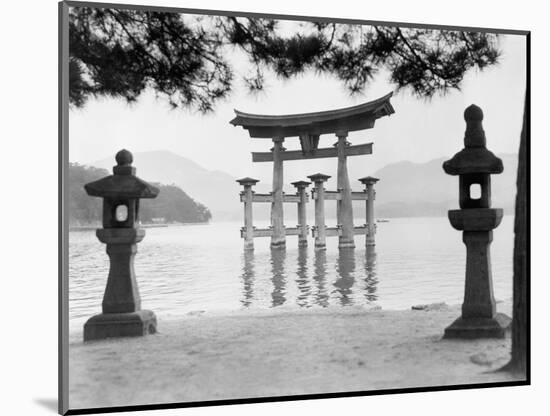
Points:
(382, 220)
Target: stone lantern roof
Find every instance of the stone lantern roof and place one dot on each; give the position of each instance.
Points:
(474, 158)
(123, 184)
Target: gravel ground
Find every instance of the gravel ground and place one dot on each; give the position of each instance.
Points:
(243, 354)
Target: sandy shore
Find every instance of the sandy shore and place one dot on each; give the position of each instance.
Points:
(281, 352)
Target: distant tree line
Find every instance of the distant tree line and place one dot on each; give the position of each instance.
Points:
(172, 204)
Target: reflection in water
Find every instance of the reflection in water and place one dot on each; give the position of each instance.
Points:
(182, 269)
(279, 278)
(320, 276)
(304, 289)
(248, 277)
(345, 269)
(265, 280)
(370, 280)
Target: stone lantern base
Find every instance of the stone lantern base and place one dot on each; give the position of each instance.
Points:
(470, 328)
(114, 325)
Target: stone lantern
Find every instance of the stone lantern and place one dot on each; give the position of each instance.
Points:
(121, 308)
(474, 164)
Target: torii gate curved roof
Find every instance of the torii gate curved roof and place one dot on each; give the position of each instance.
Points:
(358, 117)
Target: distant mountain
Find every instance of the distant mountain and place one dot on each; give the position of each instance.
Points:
(414, 189)
(405, 188)
(214, 189)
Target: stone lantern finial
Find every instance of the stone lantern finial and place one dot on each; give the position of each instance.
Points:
(124, 158)
(475, 136)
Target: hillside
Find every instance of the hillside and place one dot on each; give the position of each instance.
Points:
(216, 190)
(415, 189)
(172, 204)
(405, 188)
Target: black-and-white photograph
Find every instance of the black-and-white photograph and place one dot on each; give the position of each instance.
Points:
(259, 207)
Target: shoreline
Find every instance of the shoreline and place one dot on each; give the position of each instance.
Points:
(151, 225)
(219, 355)
(382, 219)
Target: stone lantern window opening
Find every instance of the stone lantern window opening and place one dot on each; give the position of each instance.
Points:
(475, 191)
(113, 210)
(121, 213)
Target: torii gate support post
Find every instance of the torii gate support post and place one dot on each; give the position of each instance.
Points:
(344, 208)
(319, 196)
(247, 232)
(278, 238)
(476, 219)
(369, 182)
(302, 216)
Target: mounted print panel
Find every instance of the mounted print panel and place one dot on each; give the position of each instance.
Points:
(260, 207)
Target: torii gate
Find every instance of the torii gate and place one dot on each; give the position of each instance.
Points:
(308, 127)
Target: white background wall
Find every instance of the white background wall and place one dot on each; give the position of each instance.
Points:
(28, 131)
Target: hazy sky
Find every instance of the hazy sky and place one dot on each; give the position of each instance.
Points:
(418, 131)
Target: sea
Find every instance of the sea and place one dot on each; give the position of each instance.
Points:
(189, 269)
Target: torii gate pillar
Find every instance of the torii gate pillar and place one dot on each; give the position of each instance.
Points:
(302, 221)
(278, 238)
(369, 182)
(247, 232)
(344, 208)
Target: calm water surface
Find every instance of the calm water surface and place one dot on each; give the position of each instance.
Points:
(181, 269)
